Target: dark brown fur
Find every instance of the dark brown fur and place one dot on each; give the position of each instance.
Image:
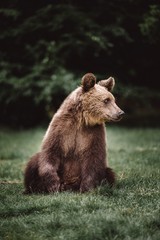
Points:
(73, 152)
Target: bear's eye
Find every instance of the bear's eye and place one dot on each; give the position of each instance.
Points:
(106, 100)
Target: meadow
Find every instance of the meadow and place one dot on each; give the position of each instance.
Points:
(131, 210)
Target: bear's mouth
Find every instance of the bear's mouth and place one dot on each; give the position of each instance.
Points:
(113, 119)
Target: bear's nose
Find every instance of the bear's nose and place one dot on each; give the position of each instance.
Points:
(121, 114)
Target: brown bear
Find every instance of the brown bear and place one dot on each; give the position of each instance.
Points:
(73, 151)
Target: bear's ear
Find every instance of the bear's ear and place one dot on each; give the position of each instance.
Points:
(88, 81)
(107, 83)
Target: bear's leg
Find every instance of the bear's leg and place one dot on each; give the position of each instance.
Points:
(88, 183)
(41, 176)
(31, 178)
(93, 179)
(48, 172)
(50, 180)
(91, 176)
(110, 176)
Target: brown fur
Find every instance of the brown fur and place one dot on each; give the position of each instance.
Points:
(73, 151)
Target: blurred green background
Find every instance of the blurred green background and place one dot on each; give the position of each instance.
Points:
(46, 46)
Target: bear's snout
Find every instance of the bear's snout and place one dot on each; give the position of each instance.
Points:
(120, 114)
(117, 116)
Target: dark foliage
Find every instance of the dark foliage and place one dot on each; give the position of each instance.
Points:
(43, 42)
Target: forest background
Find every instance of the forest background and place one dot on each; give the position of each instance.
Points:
(46, 46)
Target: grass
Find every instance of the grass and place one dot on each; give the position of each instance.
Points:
(129, 211)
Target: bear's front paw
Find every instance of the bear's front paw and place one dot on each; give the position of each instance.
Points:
(110, 177)
(53, 188)
(84, 189)
(87, 185)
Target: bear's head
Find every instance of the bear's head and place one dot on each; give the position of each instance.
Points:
(98, 103)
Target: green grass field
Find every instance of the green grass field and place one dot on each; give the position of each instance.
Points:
(129, 211)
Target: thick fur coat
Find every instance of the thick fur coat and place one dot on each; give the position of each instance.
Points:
(73, 152)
